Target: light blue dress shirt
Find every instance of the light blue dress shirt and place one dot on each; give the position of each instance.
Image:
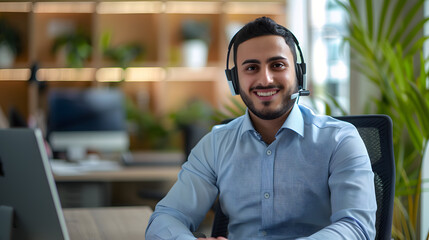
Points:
(313, 182)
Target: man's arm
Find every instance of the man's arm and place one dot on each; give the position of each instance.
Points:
(185, 206)
(351, 183)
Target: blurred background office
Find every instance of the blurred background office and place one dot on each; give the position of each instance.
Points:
(165, 58)
(139, 82)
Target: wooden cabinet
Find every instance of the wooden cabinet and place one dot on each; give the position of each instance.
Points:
(160, 74)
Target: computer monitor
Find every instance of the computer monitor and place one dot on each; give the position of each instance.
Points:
(82, 120)
(28, 188)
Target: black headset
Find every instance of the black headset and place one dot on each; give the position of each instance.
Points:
(300, 68)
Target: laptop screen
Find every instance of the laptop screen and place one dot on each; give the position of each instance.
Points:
(27, 185)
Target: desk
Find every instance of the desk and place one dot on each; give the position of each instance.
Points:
(124, 174)
(100, 188)
(107, 223)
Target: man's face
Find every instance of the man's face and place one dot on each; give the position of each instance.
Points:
(266, 73)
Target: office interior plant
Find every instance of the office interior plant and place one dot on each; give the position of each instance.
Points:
(231, 109)
(194, 112)
(77, 47)
(192, 121)
(160, 132)
(194, 29)
(387, 41)
(123, 54)
(150, 129)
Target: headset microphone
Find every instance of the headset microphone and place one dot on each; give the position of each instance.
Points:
(300, 93)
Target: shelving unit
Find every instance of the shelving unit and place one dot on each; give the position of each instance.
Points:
(160, 74)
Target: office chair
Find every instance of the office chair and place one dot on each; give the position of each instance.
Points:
(376, 132)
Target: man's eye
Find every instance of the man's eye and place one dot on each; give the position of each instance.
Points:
(278, 65)
(250, 68)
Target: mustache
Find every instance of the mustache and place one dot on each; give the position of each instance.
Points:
(266, 87)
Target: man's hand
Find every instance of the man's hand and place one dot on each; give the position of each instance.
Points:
(218, 238)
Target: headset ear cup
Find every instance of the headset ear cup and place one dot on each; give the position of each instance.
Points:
(234, 79)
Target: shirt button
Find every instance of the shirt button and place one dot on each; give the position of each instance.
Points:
(266, 195)
(269, 152)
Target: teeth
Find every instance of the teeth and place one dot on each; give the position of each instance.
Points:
(266, 94)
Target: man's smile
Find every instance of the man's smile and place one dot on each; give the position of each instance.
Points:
(266, 93)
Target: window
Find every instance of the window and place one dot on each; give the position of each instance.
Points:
(329, 59)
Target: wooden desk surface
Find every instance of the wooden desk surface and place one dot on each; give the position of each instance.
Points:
(111, 223)
(146, 173)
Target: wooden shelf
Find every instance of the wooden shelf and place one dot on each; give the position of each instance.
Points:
(66, 74)
(184, 74)
(15, 7)
(130, 7)
(255, 8)
(64, 7)
(18, 74)
(148, 74)
(193, 7)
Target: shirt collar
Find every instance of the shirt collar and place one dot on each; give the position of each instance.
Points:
(247, 125)
(294, 122)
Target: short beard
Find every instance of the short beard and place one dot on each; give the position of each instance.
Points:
(266, 114)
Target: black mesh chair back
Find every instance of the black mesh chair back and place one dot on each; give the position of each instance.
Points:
(376, 132)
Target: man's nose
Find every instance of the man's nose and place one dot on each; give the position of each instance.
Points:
(267, 77)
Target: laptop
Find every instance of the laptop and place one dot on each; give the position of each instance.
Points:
(29, 204)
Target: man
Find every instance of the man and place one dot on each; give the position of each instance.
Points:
(281, 172)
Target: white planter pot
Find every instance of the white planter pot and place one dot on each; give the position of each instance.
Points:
(7, 56)
(195, 53)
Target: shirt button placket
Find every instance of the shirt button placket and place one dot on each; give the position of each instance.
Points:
(267, 187)
(267, 194)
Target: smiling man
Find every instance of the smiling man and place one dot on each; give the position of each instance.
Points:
(280, 171)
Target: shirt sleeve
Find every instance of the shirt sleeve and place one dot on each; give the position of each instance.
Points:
(181, 211)
(351, 183)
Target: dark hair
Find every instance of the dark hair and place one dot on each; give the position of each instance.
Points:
(261, 27)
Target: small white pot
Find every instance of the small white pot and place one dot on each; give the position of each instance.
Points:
(194, 53)
(7, 56)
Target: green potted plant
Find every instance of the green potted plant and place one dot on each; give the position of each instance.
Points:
(231, 110)
(386, 49)
(122, 55)
(10, 44)
(150, 129)
(76, 47)
(194, 119)
(196, 38)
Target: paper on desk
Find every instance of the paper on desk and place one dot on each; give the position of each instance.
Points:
(63, 168)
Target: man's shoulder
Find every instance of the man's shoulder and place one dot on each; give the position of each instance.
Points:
(321, 121)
